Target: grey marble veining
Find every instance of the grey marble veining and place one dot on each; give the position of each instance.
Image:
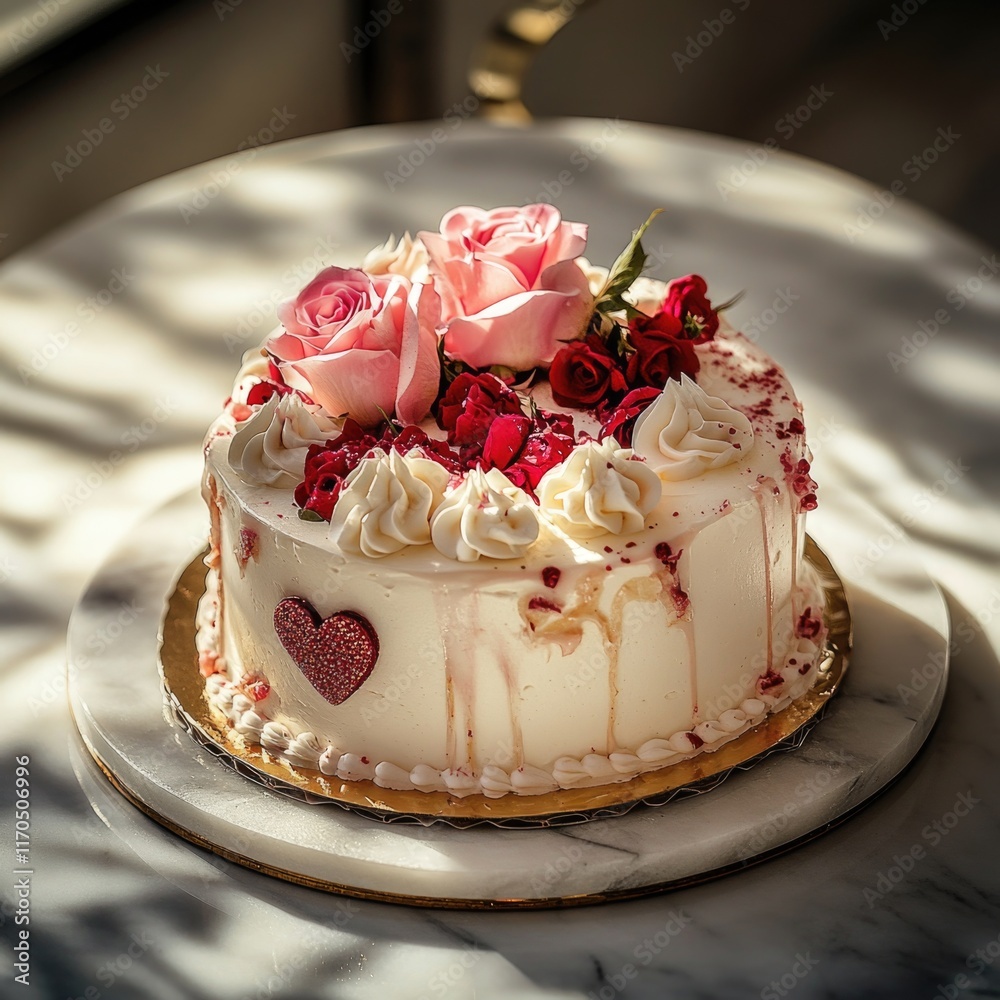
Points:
(836, 917)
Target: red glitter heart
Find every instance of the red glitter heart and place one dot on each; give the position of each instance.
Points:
(335, 654)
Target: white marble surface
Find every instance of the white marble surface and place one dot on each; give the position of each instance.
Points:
(141, 375)
(867, 736)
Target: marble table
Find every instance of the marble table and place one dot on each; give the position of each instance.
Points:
(118, 338)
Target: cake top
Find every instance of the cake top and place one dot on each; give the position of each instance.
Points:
(484, 389)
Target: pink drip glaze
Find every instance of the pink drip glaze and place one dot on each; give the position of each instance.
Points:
(508, 670)
(768, 588)
(459, 665)
(215, 561)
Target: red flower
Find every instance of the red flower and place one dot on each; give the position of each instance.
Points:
(618, 422)
(470, 405)
(687, 300)
(504, 440)
(661, 351)
(328, 465)
(584, 373)
(544, 449)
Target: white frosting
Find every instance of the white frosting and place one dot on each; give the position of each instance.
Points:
(687, 432)
(408, 257)
(599, 490)
(308, 750)
(387, 503)
(487, 515)
(461, 676)
(270, 448)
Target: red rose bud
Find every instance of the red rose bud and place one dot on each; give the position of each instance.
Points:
(584, 373)
(504, 440)
(687, 300)
(661, 351)
(619, 422)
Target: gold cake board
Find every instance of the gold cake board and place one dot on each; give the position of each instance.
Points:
(185, 689)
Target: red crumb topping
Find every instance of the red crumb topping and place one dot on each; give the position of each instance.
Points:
(681, 600)
(550, 576)
(364, 760)
(800, 481)
(794, 428)
(544, 604)
(256, 688)
(769, 680)
(664, 553)
(696, 741)
(809, 625)
(247, 547)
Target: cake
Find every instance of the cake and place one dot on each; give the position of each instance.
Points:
(489, 519)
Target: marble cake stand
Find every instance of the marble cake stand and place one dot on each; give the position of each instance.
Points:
(872, 729)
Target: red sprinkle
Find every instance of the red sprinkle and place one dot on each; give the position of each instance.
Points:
(809, 626)
(544, 604)
(550, 576)
(248, 546)
(770, 679)
(257, 689)
(666, 556)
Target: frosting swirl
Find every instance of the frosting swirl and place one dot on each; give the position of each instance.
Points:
(387, 502)
(599, 490)
(408, 257)
(270, 448)
(487, 515)
(687, 432)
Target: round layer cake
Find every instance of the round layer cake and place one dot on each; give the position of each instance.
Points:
(448, 555)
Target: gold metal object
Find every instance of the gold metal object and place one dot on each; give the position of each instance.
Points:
(500, 62)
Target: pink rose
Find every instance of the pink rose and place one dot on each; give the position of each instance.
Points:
(510, 287)
(362, 345)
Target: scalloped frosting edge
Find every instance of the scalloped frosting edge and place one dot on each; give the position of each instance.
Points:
(248, 721)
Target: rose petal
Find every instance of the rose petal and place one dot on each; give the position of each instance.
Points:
(359, 382)
(419, 365)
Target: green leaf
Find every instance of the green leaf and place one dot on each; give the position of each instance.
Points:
(308, 515)
(395, 427)
(728, 305)
(625, 270)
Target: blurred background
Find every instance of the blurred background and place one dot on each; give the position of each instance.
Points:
(898, 93)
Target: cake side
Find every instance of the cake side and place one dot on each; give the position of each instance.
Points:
(628, 608)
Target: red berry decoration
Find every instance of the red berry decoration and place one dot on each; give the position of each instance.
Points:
(335, 654)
